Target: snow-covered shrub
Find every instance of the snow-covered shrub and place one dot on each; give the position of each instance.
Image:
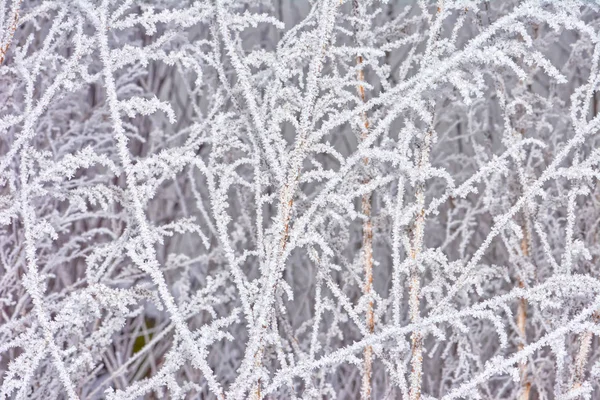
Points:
(299, 199)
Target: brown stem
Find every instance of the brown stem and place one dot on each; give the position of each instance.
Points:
(522, 307)
(367, 248)
(414, 290)
(521, 325)
(11, 32)
(522, 315)
(585, 345)
(368, 262)
(367, 234)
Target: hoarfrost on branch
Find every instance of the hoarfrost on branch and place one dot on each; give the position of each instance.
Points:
(311, 199)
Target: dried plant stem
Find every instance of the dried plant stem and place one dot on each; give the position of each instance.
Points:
(367, 236)
(416, 362)
(522, 311)
(414, 290)
(368, 262)
(522, 325)
(585, 345)
(367, 247)
(11, 30)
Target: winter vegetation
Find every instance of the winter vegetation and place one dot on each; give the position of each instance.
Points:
(299, 199)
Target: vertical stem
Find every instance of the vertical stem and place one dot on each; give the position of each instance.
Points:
(367, 234)
(581, 360)
(367, 248)
(11, 30)
(414, 298)
(367, 245)
(414, 290)
(585, 345)
(521, 325)
(522, 307)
